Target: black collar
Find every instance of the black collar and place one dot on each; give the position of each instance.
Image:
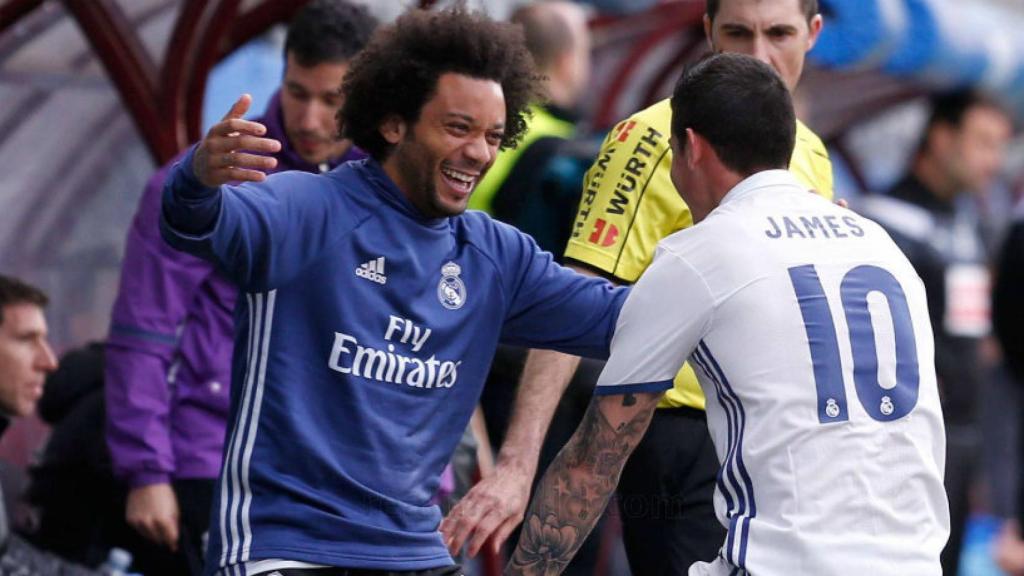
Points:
(911, 189)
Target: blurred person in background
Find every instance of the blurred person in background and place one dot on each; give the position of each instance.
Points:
(168, 360)
(961, 151)
(1008, 320)
(520, 189)
(665, 496)
(80, 506)
(25, 360)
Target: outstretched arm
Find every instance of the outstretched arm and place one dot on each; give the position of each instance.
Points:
(193, 204)
(577, 485)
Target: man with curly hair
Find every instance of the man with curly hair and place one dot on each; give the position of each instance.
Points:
(371, 303)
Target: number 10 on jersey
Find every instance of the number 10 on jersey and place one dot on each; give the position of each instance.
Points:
(882, 404)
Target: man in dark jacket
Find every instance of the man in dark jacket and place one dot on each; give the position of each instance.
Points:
(1008, 320)
(1008, 299)
(25, 360)
(169, 351)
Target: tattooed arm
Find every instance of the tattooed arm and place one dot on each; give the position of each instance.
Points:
(576, 487)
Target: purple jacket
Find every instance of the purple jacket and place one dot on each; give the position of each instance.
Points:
(168, 360)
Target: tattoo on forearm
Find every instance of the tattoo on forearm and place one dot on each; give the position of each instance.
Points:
(576, 488)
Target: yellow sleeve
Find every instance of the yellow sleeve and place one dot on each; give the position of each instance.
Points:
(628, 202)
(810, 162)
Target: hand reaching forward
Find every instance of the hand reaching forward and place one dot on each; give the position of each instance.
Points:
(492, 508)
(220, 159)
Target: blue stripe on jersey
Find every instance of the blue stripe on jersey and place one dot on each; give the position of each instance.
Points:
(736, 525)
(726, 478)
(236, 495)
(254, 427)
(633, 388)
(255, 309)
(748, 484)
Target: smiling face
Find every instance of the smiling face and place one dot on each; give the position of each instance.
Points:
(776, 32)
(25, 358)
(438, 161)
(310, 98)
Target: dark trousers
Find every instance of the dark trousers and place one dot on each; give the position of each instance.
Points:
(962, 446)
(195, 497)
(445, 571)
(666, 496)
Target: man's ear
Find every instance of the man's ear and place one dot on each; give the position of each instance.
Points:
(392, 129)
(709, 32)
(696, 148)
(814, 28)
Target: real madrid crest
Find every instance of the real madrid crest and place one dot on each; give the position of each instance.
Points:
(451, 291)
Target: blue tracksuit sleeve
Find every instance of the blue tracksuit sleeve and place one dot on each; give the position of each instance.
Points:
(551, 306)
(189, 207)
(260, 234)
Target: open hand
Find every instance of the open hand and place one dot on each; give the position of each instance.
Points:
(220, 159)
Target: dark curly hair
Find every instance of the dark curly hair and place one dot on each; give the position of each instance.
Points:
(397, 72)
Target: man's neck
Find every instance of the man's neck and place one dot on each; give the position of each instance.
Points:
(559, 96)
(392, 171)
(390, 167)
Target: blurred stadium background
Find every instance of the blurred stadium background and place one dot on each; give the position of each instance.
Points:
(95, 94)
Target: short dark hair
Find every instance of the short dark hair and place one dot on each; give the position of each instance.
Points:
(398, 71)
(328, 31)
(14, 291)
(741, 107)
(547, 36)
(809, 8)
(949, 108)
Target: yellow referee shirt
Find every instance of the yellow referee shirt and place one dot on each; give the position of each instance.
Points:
(629, 204)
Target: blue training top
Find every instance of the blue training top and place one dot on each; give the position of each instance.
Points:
(365, 333)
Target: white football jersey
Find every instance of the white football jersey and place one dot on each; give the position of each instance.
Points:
(809, 332)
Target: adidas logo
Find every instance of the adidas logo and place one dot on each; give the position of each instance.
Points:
(373, 271)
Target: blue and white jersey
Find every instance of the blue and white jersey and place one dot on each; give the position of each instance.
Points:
(809, 333)
(365, 335)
